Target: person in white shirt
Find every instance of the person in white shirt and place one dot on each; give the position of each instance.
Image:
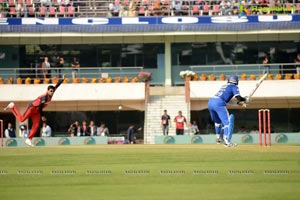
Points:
(46, 130)
(46, 68)
(24, 130)
(102, 130)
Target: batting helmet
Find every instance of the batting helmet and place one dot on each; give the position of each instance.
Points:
(233, 79)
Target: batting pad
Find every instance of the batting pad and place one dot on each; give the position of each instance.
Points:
(231, 126)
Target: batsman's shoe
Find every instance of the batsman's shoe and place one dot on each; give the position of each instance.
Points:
(10, 105)
(28, 142)
(225, 140)
(230, 144)
(219, 140)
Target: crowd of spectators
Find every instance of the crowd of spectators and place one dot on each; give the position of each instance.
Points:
(194, 7)
(37, 8)
(76, 129)
(129, 8)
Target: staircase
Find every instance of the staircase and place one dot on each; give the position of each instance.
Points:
(154, 111)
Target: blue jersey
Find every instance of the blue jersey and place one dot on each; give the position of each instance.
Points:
(227, 92)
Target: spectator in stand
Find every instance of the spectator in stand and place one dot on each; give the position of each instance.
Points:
(278, 3)
(59, 65)
(192, 129)
(73, 129)
(46, 68)
(21, 10)
(198, 3)
(157, 8)
(122, 12)
(83, 128)
(46, 3)
(180, 121)
(186, 5)
(24, 130)
(176, 7)
(75, 67)
(225, 7)
(266, 62)
(113, 8)
(92, 129)
(235, 3)
(46, 130)
(65, 3)
(195, 128)
(102, 130)
(132, 12)
(78, 129)
(10, 132)
(36, 4)
(235, 10)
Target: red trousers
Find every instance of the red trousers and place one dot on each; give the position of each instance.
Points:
(29, 112)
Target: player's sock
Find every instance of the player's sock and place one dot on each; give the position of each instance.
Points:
(218, 129)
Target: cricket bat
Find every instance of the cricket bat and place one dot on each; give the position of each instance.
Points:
(233, 101)
(257, 85)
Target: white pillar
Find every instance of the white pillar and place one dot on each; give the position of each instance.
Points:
(168, 70)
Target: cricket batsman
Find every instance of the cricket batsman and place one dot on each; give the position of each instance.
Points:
(218, 110)
(35, 110)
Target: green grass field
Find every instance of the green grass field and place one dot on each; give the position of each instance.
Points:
(150, 172)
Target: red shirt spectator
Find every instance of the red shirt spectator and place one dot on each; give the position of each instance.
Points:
(180, 120)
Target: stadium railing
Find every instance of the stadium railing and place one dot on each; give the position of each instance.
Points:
(256, 69)
(96, 72)
(86, 72)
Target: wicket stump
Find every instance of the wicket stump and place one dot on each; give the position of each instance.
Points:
(264, 124)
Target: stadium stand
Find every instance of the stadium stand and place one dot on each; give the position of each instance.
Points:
(100, 8)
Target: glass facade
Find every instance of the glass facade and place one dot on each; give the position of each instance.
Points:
(222, 53)
(151, 56)
(104, 55)
(146, 55)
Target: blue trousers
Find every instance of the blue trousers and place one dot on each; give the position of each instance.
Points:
(220, 116)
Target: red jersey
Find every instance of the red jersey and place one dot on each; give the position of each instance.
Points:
(41, 101)
(180, 120)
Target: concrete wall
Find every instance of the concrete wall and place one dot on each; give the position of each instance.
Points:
(81, 96)
(79, 92)
(268, 89)
(270, 94)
